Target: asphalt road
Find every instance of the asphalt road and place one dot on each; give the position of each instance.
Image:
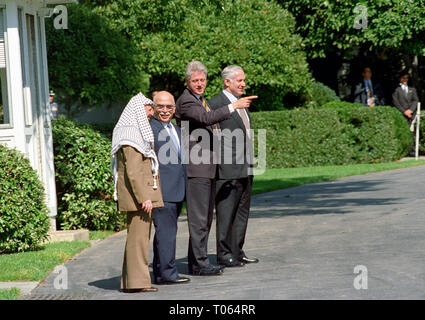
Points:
(360, 237)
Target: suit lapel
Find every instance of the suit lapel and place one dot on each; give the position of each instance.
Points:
(235, 115)
(159, 127)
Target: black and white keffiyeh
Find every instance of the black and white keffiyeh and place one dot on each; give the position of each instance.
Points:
(133, 129)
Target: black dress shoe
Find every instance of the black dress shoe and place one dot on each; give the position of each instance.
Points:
(178, 280)
(208, 271)
(231, 263)
(151, 289)
(249, 260)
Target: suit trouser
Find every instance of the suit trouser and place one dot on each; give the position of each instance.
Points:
(135, 269)
(233, 201)
(164, 242)
(409, 121)
(200, 209)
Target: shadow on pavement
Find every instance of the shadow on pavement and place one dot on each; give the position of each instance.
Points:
(107, 284)
(333, 197)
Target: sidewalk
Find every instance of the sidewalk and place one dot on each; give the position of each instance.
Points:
(309, 239)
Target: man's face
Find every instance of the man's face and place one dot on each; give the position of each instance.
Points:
(149, 111)
(197, 82)
(50, 99)
(404, 79)
(236, 86)
(164, 107)
(367, 74)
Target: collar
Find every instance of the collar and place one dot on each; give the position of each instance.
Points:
(165, 124)
(197, 96)
(230, 96)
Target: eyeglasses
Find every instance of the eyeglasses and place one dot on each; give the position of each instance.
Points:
(165, 106)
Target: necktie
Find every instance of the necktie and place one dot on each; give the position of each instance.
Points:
(369, 87)
(245, 120)
(173, 138)
(205, 105)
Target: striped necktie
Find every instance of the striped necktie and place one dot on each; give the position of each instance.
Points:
(205, 105)
(173, 138)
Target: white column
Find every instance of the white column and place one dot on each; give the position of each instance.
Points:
(14, 71)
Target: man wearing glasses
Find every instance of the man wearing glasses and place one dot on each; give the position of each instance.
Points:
(172, 174)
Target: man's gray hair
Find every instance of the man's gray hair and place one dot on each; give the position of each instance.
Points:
(229, 72)
(194, 66)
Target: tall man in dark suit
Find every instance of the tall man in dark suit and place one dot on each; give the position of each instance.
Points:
(200, 123)
(234, 184)
(368, 93)
(406, 100)
(172, 174)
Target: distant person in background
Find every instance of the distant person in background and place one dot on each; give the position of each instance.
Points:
(154, 93)
(368, 93)
(406, 100)
(54, 109)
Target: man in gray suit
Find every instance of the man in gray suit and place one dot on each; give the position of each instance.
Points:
(405, 98)
(234, 183)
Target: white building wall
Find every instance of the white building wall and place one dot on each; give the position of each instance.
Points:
(30, 128)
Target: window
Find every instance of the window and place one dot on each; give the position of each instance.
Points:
(4, 101)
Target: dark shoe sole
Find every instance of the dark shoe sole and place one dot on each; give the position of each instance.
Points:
(199, 273)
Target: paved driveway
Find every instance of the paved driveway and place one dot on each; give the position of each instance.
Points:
(309, 240)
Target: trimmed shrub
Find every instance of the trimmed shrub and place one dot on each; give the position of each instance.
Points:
(322, 94)
(333, 136)
(341, 105)
(24, 221)
(83, 178)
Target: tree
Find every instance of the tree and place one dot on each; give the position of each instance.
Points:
(90, 63)
(255, 34)
(389, 34)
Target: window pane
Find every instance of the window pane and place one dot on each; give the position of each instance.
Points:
(4, 102)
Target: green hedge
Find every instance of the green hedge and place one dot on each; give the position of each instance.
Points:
(83, 178)
(335, 135)
(321, 94)
(24, 221)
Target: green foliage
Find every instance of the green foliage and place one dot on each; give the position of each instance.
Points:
(333, 136)
(322, 94)
(23, 213)
(255, 34)
(341, 104)
(90, 63)
(421, 134)
(83, 178)
(330, 25)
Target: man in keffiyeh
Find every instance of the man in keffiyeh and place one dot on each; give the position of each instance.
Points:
(137, 188)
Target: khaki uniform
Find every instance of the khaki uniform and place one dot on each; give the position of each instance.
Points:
(135, 186)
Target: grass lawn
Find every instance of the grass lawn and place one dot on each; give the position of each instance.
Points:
(11, 294)
(36, 265)
(96, 235)
(274, 179)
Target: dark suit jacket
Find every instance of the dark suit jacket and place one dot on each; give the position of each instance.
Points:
(403, 101)
(360, 93)
(239, 163)
(172, 173)
(189, 108)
